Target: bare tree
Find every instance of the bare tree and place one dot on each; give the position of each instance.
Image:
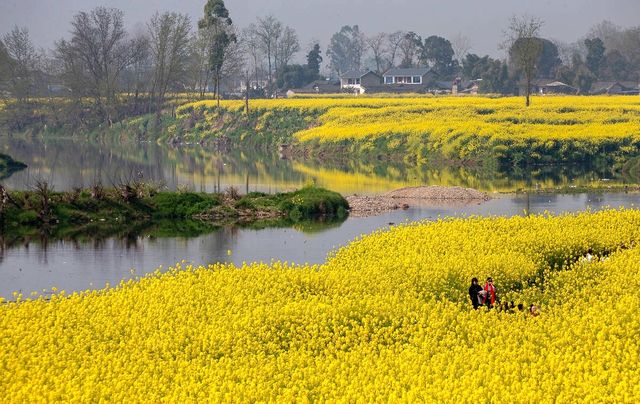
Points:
(100, 49)
(252, 45)
(268, 30)
(524, 46)
(461, 45)
(394, 40)
(5, 61)
(409, 50)
(137, 77)
(287, 46)
(199, 71)
(377, 45)
(234, 63)
(359, 47)
(22, 60)
(169, 39)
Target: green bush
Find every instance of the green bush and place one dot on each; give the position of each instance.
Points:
(183, 205)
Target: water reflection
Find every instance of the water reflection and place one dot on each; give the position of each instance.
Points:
(68, 163)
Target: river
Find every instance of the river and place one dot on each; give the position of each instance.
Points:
(74, 265)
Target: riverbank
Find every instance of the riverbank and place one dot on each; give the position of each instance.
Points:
(135, 205)
(458, 131)
(466, 131)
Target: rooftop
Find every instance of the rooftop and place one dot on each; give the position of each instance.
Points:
(414, 71)
(355, 74)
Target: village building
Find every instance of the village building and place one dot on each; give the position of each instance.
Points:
(316, 87)
(409, 76)
(547, 86)
(615, 88)
(356, 80)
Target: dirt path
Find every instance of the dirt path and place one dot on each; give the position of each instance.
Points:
(404, 198)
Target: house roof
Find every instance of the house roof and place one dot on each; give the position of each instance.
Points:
(604, 86)
(558, 84)
(630, 84)
(539, 82)
(322, 83)
(318, 86)
(415, 71)
(356, 74)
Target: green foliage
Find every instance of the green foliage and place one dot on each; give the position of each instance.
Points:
(312, 201)
(314, 59)
(595, 54)
(345, 49)
(295, 76)
(437, 52)
(182, 205)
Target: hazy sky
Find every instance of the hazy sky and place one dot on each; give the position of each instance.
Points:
(481, 20)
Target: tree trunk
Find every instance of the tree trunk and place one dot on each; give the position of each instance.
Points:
(528, 91)
(218, 88)
(246, 95)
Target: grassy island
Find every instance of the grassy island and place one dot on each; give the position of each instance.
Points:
(8, 166)
(99, 210)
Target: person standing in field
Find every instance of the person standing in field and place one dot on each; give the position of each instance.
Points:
(491, 293)
(474, 289)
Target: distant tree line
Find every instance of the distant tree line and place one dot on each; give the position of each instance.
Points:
(607, 53)
(131, 72)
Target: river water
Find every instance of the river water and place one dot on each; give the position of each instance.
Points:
(74, 265)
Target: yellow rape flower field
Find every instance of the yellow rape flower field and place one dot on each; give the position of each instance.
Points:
(553, 117)
(386, 318)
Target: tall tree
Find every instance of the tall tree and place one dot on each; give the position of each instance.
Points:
(522, 41)
(410, 49)
(492, 73)
(287, 46)
(461, 46)
(394, 41)
(314, 59)
(4, 64)
(169, 39)
(346, 49)
(549, 60)
(616, 66)
(595, 54)
(22, 59)
(253, 47)
(437, 53)
(376, 44)
(216, 19)
(268, 30)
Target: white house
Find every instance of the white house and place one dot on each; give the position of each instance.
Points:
(406, 76)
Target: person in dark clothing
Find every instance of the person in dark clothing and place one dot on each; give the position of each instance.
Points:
(473, 293)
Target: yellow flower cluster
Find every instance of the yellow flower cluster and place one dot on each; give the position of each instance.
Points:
(460, 126)
(386, 318)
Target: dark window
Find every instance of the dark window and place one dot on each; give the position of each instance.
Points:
(388, 80)
(416, 79)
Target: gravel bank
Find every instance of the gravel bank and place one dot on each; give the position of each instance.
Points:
(404, 198)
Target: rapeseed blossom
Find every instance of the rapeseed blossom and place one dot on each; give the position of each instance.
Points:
(559, 127)
(385, 318)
